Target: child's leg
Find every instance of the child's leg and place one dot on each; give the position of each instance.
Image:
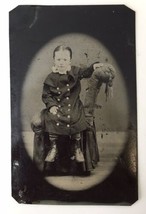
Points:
(53, 138)
(76, 153)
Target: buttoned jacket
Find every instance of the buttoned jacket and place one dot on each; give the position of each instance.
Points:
(63, 90)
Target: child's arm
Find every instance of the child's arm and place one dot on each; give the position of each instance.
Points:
(87, 72)
(47, 98)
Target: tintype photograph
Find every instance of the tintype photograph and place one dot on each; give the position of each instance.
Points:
(73, 105)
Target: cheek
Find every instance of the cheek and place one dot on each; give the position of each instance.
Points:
(56, 62)
(68, 62)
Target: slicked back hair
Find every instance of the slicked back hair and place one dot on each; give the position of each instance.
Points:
(62, 48)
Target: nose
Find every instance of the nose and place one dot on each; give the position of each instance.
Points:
(61, 62)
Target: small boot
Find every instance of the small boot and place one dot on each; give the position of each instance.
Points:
(76, 151)
(53, 151)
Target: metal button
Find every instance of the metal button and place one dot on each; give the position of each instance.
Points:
(58, 115)
(58, 99)
(67, 84)
(59, 106)
(58, 88)
(69, 104)
(68, 89)
(57, 124)
(59, 92)
(68, 125)
(68, 109)
(67, 98)
(68, 116)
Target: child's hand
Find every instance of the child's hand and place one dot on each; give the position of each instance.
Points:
(97, 65)
(53, 110)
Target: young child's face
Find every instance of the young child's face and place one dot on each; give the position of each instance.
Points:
(62, 60)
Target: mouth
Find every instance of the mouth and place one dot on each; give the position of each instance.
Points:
(61, 67)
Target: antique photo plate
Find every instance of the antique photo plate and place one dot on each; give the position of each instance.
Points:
(105, 34)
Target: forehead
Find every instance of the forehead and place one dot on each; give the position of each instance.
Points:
(62, 53)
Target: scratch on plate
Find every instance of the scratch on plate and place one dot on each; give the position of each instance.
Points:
(35, 17)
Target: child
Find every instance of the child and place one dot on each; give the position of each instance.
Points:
(65, 115)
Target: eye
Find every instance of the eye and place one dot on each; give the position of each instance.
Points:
(65, 59)
(58, 59)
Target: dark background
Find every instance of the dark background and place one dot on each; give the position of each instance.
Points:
(30, 28)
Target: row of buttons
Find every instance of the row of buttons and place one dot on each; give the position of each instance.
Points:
(66, 85)
(58, 99)
(69, 105)
(58, 124)
(58, 115)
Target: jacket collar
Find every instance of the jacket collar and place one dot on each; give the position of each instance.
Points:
(55, 70)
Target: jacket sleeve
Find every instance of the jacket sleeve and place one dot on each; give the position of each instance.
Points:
(47, 97)
(86, 72)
